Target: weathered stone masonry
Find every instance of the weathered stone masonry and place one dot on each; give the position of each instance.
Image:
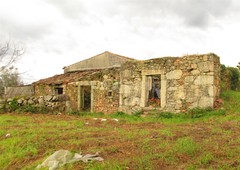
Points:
(98, 87)
(186, 82)
(172, 84)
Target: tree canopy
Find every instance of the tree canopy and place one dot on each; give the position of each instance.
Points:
(10, 54)
(230, 78)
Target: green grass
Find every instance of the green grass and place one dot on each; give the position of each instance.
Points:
(199, 139)
(185, 145)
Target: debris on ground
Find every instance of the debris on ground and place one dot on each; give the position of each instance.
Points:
(62, 157)
(104, 120)
(8, 135)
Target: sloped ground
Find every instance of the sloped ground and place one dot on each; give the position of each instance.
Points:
(211, 142)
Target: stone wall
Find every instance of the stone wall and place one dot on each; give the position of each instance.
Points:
(51, 102)
(71, 91)
(27, 90)
(43, 89)
(104, 91)
(106, 95)
(186, 82)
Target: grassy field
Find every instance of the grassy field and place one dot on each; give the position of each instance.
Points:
(204, 139)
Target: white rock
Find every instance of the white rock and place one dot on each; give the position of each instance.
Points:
(8, 135)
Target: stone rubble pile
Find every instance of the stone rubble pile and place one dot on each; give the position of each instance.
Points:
(49, 101)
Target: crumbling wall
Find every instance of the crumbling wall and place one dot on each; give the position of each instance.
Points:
(35, 103)
(71, 91)
(186, 82)
(104, 90)
(43, 89)
(106, 95)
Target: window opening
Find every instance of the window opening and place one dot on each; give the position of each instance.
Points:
(109, 94)
(58, 90)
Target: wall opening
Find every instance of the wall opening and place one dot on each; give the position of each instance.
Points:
(58, 90)
(153, 90)
(85, 104)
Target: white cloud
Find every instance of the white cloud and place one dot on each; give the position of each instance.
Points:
(60, 32)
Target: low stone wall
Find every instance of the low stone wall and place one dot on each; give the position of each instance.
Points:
(51, 102)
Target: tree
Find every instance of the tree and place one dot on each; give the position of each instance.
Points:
(230, 78)
(9, 55)
(238, 66)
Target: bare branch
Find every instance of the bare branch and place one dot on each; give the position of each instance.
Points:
(9, 55)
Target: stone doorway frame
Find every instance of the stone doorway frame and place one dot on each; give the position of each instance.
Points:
(80, 84)
(144, 98)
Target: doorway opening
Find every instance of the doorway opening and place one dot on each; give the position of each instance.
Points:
(85, 98)
(154, 90)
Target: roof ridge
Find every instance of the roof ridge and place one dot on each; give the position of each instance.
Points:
(120, 55)
(108, 52)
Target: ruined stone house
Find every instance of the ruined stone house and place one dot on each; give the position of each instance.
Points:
(109, 83)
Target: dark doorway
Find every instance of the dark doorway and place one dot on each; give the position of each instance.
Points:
(154, 90)
(86, 98)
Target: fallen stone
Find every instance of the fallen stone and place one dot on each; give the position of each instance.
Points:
(30, 101)
(41, 101)
(20, 101)
(48, 98)
(54, 98)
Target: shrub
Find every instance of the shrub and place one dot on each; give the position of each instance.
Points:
(230, 78)
(13, 105)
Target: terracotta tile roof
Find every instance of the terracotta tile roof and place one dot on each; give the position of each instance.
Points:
(67, 77)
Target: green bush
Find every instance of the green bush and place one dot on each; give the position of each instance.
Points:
(230, 78)
(13, 105)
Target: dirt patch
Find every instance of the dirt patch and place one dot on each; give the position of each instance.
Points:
(135, 145)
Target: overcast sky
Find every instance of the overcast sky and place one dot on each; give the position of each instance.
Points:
(57, 33)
